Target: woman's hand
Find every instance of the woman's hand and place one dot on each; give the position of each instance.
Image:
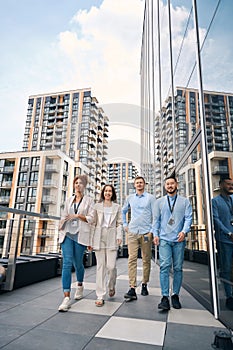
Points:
(71, 217)
(119, 241)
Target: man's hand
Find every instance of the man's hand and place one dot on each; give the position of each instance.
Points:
(156, 240)
(181, 236)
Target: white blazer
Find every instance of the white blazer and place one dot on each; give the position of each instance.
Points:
(114, 229)
(86, 209)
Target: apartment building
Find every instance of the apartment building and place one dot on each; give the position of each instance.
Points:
(70, 121)
(121, 175)
(219, 130)
(38, 182)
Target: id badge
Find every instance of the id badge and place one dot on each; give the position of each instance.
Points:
(171, 221)
(74, 223)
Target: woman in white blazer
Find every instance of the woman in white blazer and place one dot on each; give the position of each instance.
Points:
(107, 236)
(74, 236)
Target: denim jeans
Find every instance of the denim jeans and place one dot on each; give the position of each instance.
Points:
(72, 253)
(225, 252)
(171, 254)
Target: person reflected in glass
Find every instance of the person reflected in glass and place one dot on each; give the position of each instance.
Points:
(139, 235)
(223, 226)
(173, 218)
(107, 237)
(74, 237)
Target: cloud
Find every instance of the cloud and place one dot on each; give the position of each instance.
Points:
(103, 49)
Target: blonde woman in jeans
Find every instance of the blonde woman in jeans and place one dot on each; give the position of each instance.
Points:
(107, 237)
(75, 236)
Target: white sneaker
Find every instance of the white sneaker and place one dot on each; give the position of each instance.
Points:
(65, 305)
(79, 293)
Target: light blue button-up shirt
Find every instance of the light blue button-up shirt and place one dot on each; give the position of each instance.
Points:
(181, 217)
(222, 217)
(142, 212)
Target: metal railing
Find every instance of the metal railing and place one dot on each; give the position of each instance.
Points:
(25, 234)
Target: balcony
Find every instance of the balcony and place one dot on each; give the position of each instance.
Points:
(7, 169)
(2, 231)
(4, 200)
(31, 199)
(48, 199)
(50, 183)
(220, 170)
(6, 184)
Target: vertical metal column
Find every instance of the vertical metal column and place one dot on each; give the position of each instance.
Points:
(160, 85)
(205, 165)
(172, 83)
(11, 266)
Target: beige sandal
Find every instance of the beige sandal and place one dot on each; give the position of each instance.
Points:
(111, 292)
(99, 302)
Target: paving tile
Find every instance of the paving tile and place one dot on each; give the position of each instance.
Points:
(183, 337)
(48, 340)
(74, 323)
(143, 308)
(107, 344)
(4, 306)
(86, 285)
(88, 306)
(134, 330)
(8, 334)
(193, 317)
(25, 316)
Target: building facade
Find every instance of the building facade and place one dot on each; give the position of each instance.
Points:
(37, 182)
(121, 175)
(219, 127)
(70, 121)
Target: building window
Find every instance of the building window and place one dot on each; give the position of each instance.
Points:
(24, 163)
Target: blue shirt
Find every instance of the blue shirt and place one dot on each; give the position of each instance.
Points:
(142, 212)
(167, 225)
(222, 215)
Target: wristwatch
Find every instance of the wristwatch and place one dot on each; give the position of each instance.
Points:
(229, 234)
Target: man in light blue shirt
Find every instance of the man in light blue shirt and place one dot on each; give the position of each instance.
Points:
(223, 225)
(139, 234)
(173, 218)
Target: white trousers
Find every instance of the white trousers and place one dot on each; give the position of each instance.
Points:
(106, 271)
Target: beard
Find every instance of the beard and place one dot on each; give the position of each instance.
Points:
(230, 192)
(171, 190)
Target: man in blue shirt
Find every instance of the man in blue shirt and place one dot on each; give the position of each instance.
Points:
(223, 225)
(139, 234)
(173, 218)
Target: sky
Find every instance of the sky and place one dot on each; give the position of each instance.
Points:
(56, 45)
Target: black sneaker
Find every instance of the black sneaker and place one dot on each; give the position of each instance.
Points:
(175, 301)
(229, 303)
(130, 295)
(144, 289)
(164, 305)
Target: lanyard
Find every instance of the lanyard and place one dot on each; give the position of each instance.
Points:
(227, 203)
(76, 207)
(169, 204)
